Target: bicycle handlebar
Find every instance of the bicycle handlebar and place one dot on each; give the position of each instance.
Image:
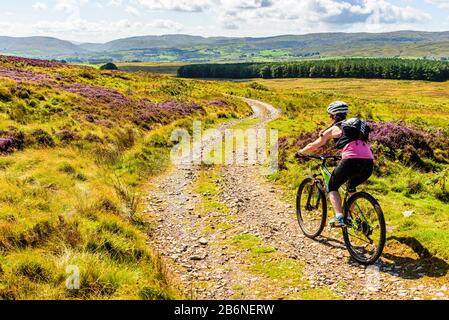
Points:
(321, 158)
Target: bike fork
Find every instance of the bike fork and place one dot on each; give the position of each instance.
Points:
(309, 198)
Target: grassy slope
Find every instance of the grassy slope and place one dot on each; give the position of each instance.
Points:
(421, 103)
(415, 50)
(161, 67)
(237, 52)
(77, 201)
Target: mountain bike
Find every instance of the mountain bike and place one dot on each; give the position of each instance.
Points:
(365, 233)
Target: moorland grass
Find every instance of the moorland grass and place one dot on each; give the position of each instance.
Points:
(73, 166)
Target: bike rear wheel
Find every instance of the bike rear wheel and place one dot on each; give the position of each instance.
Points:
(366, 236)
(311, 208)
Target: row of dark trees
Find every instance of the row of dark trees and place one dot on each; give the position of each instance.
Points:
(372, 68)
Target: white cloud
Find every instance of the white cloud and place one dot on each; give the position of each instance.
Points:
(177, 5)
(440, 3)
(247, 4)
(70, 6)
(316, 13)
(115, 3)
(165, 24)
(132, 10)
(386, 13)
(5, 26)
(230, 25)
(7, 13)
(39, 6)
(81, 26)
(77, 29)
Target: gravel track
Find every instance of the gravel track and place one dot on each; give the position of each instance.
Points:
(207, 265)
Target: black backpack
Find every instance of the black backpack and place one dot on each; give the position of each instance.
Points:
(353, 129)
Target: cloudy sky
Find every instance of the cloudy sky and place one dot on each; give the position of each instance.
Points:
(105, 20)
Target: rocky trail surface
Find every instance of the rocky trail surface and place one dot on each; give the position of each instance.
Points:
(225, 232)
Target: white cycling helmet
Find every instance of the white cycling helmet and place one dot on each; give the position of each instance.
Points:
(338, 107)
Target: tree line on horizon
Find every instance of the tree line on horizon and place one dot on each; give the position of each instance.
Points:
(370, 68)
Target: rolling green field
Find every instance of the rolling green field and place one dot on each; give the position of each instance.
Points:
(419, 185)
(170, 68)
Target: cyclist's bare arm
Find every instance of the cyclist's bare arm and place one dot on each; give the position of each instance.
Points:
(324, 138)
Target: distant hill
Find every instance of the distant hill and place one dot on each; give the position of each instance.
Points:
(148, 42)
(200, 49)
(39, 47)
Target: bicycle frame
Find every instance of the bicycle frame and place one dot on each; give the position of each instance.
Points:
(326, 174)
(327, 177)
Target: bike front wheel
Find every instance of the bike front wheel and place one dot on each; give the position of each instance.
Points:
(366, 234)
(311, 207)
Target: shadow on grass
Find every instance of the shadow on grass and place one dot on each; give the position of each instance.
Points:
(425, 265)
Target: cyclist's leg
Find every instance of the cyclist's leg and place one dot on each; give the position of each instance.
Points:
(363, 170)
(339, 177)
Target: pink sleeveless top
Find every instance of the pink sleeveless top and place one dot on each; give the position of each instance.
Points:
(357, 150)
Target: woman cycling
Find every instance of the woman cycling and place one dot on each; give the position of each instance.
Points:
(357, 158)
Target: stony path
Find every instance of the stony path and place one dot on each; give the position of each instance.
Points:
(243, 241)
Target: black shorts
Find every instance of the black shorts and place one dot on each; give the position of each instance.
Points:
(353, 171)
